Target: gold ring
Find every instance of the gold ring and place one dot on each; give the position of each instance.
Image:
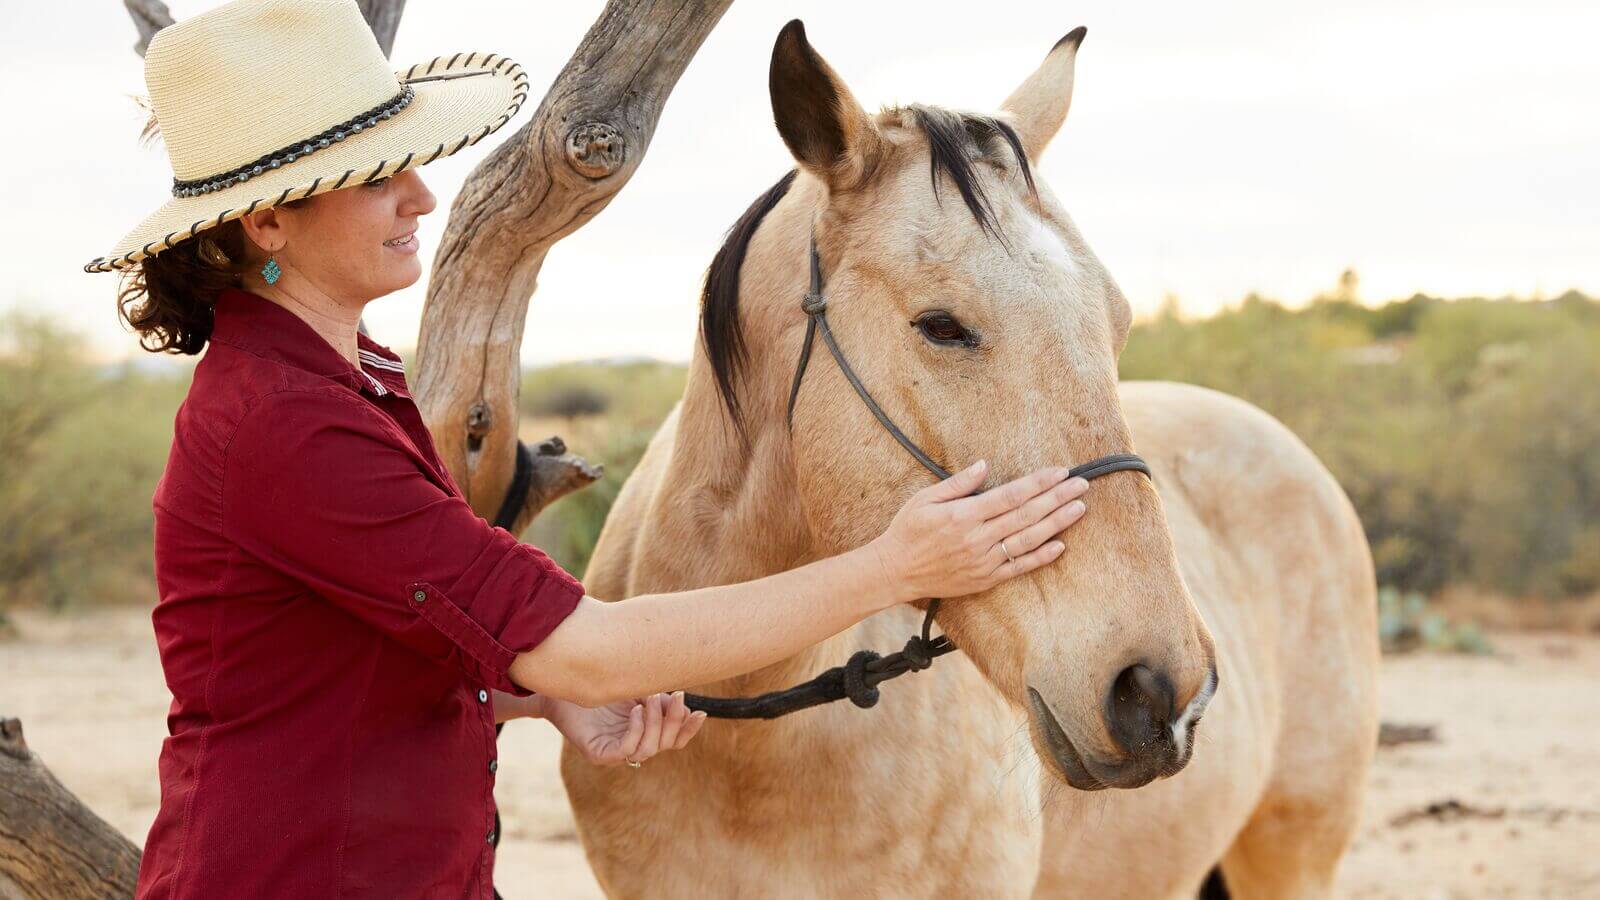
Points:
(1006, 552)
(633, 764)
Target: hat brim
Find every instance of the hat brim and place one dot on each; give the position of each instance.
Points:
(458, 101)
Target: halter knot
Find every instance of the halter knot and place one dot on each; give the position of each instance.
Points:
(856, 687)
(917, 653)
(814, 304)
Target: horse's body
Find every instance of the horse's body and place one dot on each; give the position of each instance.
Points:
(1278, 565)
(934, 791)
(947, 786)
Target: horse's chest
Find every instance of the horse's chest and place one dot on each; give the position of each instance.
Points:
(877, 822)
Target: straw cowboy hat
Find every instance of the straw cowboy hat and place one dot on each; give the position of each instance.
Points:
(264, 101)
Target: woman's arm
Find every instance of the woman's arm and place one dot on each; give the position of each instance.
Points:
(510, 706)
(943, 542)
(605, 652)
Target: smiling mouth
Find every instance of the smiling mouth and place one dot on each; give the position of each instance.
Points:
(403, 242)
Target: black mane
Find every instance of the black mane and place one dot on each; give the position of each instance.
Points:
(952, 139)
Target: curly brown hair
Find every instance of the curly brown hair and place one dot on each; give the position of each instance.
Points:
(170, 298)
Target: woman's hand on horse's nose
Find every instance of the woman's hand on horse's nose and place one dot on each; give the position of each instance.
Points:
(945, 542)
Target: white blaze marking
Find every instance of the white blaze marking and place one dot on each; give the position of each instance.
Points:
(1043, 240)
(1180, 729)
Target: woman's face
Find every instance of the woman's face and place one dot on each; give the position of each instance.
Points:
(353, 244)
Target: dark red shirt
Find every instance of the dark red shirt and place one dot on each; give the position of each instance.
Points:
(331, 619)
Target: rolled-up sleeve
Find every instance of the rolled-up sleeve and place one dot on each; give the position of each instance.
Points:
(328, 490)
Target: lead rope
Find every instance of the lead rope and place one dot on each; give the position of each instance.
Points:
(858, 679)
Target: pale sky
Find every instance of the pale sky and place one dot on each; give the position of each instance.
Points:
(1212, 149)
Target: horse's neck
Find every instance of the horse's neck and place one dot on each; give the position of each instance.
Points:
(726, 512)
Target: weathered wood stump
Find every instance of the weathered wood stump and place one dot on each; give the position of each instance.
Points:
(51, 845)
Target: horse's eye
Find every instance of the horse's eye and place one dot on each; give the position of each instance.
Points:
(942, 328)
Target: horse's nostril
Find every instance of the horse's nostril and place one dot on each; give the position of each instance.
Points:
(1140, 708)
(1146, 682)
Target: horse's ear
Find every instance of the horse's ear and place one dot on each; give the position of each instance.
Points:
(828, 132)
(1039, 105)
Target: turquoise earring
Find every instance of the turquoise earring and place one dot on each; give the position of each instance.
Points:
(270, 271)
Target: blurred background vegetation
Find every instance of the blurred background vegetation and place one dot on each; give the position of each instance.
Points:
(1467, 433)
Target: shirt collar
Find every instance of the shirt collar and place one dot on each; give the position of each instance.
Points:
(251, 322)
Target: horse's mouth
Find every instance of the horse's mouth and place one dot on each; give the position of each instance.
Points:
(1087, 775)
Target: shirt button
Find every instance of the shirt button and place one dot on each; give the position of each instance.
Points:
(494, 764)
(489, 838)
(419, 596)
(483, 696)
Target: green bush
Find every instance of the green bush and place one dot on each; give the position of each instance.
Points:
(633, 394)
(82, 448)
(1467, 433)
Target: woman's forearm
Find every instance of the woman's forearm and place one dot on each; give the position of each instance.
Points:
(605, 652)
(510, 706)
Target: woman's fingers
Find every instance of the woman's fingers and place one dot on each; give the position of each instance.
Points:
(1035, 510)
(656, 723)
(1027, 562)
(672, 719)
(650, 744)
(1031, 537)
(960, 484)
(635, 734)
(1010, 495)
(690, 728)
(935, 548)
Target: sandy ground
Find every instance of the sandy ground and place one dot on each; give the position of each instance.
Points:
(1517, 751)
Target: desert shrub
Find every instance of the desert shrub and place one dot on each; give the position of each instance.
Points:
(81, 449)
(570, 402)
(1407, 622)
(1467, 433)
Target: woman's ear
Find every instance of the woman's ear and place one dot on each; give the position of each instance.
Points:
(264, 228)
(828, 132)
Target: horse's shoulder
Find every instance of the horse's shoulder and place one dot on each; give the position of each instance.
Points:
(625, 525)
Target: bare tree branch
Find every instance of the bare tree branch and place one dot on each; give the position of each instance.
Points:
(150, 16)
(556, 473)
(384, 17)
(562, 168)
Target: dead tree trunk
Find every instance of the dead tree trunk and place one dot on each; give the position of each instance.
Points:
(150, 16)
(51, 845)
(586, 140)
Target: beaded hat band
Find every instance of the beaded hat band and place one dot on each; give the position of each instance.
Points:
(264, 101)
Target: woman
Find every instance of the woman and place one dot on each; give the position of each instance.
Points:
(339, 630)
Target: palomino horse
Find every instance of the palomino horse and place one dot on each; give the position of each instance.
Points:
(985, 327)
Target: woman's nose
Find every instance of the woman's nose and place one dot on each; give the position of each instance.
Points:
(419, 200)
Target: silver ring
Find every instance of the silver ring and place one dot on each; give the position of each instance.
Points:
(1006, 552)
(633, 764)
